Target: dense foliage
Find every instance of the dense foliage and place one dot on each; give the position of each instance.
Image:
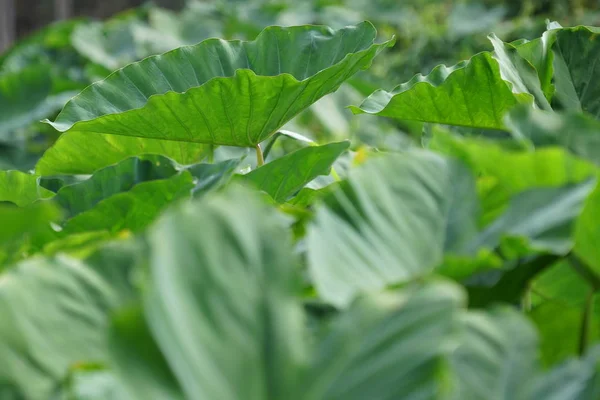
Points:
(288, 217)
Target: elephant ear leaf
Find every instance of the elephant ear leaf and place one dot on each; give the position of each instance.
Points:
(218, 92)
(576, 77)
(472, 93)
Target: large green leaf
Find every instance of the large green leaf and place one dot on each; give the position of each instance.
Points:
(389, 222)
(249, 343)
(224, 93)
(576, 75)
(283, 177)
(389, 346)
(36, 350)
(75, 153)
(471, 94)
(20, 188)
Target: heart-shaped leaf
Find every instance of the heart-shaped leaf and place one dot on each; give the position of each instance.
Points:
(220, 93)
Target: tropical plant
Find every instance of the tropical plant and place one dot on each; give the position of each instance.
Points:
(180, 239)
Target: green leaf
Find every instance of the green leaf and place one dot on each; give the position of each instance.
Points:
(21, 189)
(497, 356)
(576, 379)
(388, 346)
(576, 77)
(545, 216)
(138, 363)
(471, 93)
(36, 350)
(503, 173)
(519, 72)
(388, 223)
(132, 210)
(18, 221)
(84, 153)
(223, 93)
(113, 180)
(209, 177)
(587, 232)
(285, 176)
(256, 322)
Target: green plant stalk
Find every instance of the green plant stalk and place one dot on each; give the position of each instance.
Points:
(260, 159)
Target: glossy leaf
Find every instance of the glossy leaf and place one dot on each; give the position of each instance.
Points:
(285, 176)
(257, 87)
(471, 93)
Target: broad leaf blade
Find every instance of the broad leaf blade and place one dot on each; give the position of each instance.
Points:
(35, 349)
(132, 210)
(388, 223)
(257, 87)
(497, 357)
(86, 152)
(576, 75)
(389, 346)
(249, 343)
(471, 94)
(285, 176)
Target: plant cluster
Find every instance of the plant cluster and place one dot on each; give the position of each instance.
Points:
(196, 231)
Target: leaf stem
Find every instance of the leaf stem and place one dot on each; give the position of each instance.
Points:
(260, 159)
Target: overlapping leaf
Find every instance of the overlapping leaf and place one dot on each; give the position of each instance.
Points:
(283, 177)
(257, 87)
(471, 93)
(20, 188)
(388, 223)
(35, 349)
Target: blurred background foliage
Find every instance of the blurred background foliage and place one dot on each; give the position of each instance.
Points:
(52, 61)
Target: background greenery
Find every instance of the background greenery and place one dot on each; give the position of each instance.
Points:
(400, 210)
